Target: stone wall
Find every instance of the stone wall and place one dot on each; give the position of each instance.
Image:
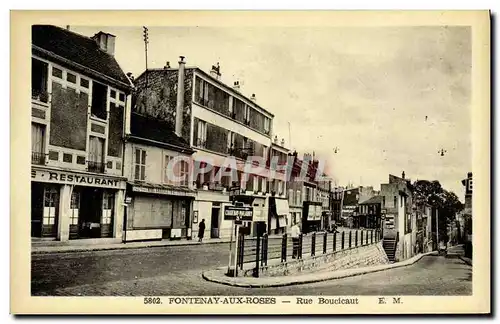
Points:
(340, 260)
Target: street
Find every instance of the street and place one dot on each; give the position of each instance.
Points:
(177, 271)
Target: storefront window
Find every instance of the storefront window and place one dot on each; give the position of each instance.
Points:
(50, 205)
(75, 206)
(107, 207)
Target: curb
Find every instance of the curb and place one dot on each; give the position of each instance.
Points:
(120, 246)
(466, 260)
(246, 283)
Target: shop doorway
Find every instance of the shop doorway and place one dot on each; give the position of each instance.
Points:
(36, 209)
(214, 223)
(95, 214)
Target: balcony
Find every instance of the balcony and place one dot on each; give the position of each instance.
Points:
(38, 158)
(97, 167)
(39, 95)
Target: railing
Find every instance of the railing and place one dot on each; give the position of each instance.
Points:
(98, 167)
(38, 158)
(284, 248)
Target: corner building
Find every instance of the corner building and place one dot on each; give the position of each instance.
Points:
(79, 95)
(217, 121)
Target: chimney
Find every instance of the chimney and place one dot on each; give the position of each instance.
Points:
(275, 139)
(105, 41)
(130, 76)
(180, 97)
(236, 85)
(167, 66)
(253, 98)
(215, 72)
(283, 142)
(67, 27)
(403, 175)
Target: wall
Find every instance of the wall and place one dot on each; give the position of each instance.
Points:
(364, 256)
(160, 98)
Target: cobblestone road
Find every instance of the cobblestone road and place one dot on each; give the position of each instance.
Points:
(177, 271)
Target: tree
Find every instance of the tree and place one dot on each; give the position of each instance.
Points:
(447, 202)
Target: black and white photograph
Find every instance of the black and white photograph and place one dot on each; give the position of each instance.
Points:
(256, 164)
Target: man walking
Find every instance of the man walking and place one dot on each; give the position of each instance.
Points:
(201, 230)
(295, 240)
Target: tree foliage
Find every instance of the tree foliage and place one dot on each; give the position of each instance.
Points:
(447, 203)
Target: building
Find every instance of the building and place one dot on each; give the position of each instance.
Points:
(79, 95)
(279, 217)
(400, 224)
(218, 122)
(337, 196)
(351, 199)
(369, 213)
(160, 191)
(324, 196)
(467, 214)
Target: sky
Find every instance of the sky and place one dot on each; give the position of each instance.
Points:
(388, 98)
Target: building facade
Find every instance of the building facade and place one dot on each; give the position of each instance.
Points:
(218, 122)
(159, 190)
(79, 98)
(400, 222)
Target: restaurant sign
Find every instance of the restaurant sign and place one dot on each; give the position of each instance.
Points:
(78, 179)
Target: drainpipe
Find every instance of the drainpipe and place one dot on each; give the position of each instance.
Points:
(180, 97)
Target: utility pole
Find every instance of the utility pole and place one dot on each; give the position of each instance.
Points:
(146, 42)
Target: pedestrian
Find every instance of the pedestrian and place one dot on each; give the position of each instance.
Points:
(295, 240)
(201, 230)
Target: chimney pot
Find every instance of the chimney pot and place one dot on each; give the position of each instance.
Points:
(253, 97)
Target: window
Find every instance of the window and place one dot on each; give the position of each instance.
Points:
(74, 207)
(96, 154)
(264, 185)
(39, 72)
(395, 201)
(140, 165)
(107, 207)
(71, 77)
(201, 140)
(230, 142)
(58, 73)
(401, 202)
(408, 227)
(99, 100)
(167, 179)
(470, 184)
(84, 83)
(37, 139)
(267, 125)
(50, 202)
(383, 201)
(247, 114)
(291, 198)
(298, 197)
(184, 173)
(96, 149)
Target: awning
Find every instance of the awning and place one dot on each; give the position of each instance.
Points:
(282, 207)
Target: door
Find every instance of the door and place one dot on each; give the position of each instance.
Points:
(74, 211)
(214, 224)
(36, 209)
(50, 211)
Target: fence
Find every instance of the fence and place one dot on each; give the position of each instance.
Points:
(262, 249)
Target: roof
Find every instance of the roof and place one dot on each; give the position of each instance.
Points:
(219, 82)
(153, 129)
(78, 49)
(373, 200)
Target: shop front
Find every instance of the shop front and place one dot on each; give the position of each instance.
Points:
(279, 215)
(157, 212)
(311, 217)
(70, 205)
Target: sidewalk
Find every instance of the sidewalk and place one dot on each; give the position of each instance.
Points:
(40, 247)
(61, 247)
(218, 275)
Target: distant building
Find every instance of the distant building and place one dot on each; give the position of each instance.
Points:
(370, 211)
(467, 214)
(400, 224)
